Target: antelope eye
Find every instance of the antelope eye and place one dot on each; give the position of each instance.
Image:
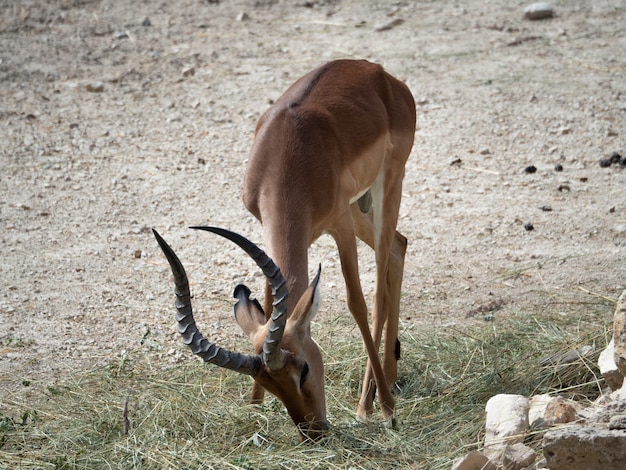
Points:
(305, 372)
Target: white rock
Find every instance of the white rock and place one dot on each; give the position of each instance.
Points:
(538, 11)
(537, 410)
(517, 456)
(585, 448)
(608, 368)
(507, 420)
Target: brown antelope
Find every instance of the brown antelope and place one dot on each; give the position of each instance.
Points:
(328, 157)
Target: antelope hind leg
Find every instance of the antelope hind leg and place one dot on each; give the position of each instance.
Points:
(395, 274)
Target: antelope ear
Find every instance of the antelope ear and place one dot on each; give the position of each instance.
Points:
(307, 306)
(248, 312)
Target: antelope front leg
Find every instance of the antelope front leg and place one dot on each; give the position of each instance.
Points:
(257, 394)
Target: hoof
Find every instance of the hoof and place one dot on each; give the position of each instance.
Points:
(391, 423)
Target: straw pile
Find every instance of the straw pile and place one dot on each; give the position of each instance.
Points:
(138, 413)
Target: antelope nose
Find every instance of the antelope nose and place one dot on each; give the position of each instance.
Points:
(313, 430)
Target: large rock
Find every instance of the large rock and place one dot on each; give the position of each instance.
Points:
(507, 420)
(584, 448)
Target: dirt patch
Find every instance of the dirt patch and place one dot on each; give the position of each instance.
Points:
(121, 116)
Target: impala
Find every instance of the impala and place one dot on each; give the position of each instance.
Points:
(328, 157)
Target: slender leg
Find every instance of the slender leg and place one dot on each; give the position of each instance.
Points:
(390, 308)
(392, 304)
(364, 228)
(346, 243)
(258, 392)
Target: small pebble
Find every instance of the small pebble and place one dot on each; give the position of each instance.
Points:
(530, 169)
(146, 22)
(546, 208)
(538, 11)
(528, 227)
(558, 167)
(392, 24)
(137, 254)
(189, 72)
(95, 87)
(615, 158)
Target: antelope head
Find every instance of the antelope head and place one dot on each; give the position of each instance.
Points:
(287, 362)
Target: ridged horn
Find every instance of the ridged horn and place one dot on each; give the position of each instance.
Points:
(273, 356)
(210, 352)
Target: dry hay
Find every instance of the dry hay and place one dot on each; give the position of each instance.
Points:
(136, 414)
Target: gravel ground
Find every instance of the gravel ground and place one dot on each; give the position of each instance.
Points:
(116, 117)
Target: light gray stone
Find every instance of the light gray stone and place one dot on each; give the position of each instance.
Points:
(580, 447)
(619, 394)
(608, 368)
(538, 11)
(507, 420)
(517, 457)
(568, 357)
(602, 415)
(618, 422)
(538, 404)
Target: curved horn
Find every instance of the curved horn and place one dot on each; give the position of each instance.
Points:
(210, 352)
(273, 356)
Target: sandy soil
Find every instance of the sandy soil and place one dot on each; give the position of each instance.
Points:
(85, 174)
